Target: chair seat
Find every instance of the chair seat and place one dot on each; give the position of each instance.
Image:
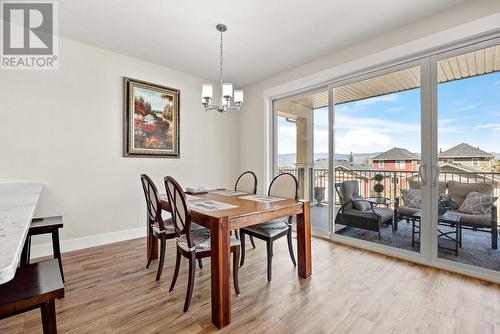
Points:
(468, 219)
(407, 211)
(169, 227)
(385, 214)
(269, 229)
(201, 240)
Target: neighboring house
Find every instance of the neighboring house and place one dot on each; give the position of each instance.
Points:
(468, 155)
(346, 170)
(397, 159)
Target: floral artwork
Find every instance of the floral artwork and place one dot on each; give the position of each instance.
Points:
(152, 120)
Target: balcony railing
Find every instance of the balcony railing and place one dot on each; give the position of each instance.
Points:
(393, 181)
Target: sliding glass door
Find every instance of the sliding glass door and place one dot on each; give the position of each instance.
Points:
(378, 155)
(404, 160)
(466, 176)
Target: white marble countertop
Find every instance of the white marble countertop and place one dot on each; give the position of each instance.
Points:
(17, 206)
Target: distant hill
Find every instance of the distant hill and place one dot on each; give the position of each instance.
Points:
(289, 159)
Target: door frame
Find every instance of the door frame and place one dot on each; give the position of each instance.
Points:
(426, 257)
(435, 259)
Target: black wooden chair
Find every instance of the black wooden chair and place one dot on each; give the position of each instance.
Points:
(192, 243)
(247, 182)
(160, 229)
(284, 185)
(48, 225)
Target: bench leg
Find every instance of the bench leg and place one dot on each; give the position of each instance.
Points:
(57, 250)
(48, 311)
(25, 255)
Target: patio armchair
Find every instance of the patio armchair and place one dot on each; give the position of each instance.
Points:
(487, 222)
(369, 218)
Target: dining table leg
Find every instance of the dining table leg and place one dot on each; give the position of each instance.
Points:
(304, 241)
(221, 289)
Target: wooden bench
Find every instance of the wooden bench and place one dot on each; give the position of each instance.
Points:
(34, 286)
(48, 225)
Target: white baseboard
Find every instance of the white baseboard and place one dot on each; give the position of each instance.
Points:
(90, 241)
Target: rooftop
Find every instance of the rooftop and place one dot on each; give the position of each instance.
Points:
(465, 150)
(397, 153)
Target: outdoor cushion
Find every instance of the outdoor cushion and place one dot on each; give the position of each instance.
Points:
(407, 211)
(349, 189)
(201, 240)
(412, 198)
(269, 229)
(360, 203)
(385, 214)
(476, 204)
(468, 219)
(458, 191)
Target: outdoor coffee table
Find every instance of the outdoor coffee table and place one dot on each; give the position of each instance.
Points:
(380, 201)
(448, 220)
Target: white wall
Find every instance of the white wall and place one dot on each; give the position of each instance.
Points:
(64, 127)
(463, 21)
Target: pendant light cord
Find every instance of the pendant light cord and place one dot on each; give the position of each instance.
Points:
(221, 53)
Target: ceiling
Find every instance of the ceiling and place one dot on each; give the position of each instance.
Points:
(457, 67)
(264, 37)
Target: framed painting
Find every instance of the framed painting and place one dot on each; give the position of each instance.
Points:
(151, 120)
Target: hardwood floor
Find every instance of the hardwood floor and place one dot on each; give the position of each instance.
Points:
(108, 290)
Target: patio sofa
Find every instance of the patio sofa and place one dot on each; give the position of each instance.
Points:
(370, 217)
(458, 191)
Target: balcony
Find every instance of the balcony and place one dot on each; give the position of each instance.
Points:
(476, 245)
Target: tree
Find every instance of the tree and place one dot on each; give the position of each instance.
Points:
(497, 166)
(350, 157)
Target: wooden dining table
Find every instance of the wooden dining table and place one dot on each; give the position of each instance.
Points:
(244, 213)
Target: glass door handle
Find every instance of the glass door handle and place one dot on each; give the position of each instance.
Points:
(435, 175)
(422, 174)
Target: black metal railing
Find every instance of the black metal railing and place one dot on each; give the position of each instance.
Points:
(393, 181)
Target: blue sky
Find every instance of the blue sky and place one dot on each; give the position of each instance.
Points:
(468, 111)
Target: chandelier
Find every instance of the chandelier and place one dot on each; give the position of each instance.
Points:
(227, 100)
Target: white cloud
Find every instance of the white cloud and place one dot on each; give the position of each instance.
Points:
(287, 139)
(378, 125)
(493, 126)
(320, 141)
(444, 147)
(363, 140)
(444, 121)
(287, 131)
